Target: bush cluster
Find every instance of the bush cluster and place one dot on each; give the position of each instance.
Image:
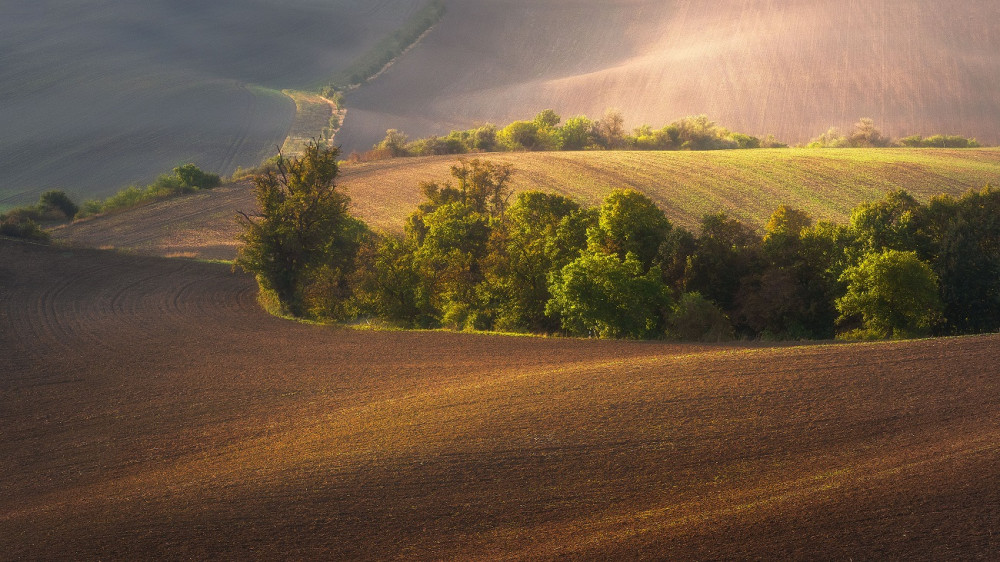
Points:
(545, 133)
(474, 257)
(866, 135)
(185, 179)
(24, 222)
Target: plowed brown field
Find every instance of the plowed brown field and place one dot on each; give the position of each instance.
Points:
(748, 184)
(148, 408)
(758, 66)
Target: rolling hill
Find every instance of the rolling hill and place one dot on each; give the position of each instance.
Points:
(759, 66)
(151, 409)
(96, 94)
(748, 184)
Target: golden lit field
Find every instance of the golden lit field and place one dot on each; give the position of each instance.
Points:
(150, 409)
(788, 68)
(747, 184)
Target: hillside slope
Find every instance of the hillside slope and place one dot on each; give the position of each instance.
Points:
(758, 66)
(150, 409)
(746, 184)
(97, 94)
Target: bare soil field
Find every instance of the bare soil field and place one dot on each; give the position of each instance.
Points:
(97, 94)
(759, 66)
(150, 409)
(747, 184)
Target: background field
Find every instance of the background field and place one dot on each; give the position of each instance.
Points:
(96, 94)
(746, 184)
(759, 66)
(150, 409)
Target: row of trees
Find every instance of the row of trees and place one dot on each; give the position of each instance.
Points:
(388, 48)
(473, 256)
(866, 135)
(547, 132)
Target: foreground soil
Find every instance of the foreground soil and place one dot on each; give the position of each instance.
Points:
(747, 184)
(149, 408)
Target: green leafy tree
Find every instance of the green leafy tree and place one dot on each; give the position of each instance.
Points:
(964, 239)
(59, 202)
(193, 177)
(484, 138)
(630, 222)
(793, 297)
(893, 293)
(484, 185)
(518, 264)
(386, 283)
(395, 142)
(570, 237)
(886, 224)
(547, 118)
(832, 138)
(674, 255)
(728, 253)
(302, 244)
(576, 133)
(449, 263)
(600, 295)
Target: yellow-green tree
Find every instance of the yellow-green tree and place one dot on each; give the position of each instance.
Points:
(893, 293)
(302, 244)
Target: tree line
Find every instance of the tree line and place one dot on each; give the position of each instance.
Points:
(547, 132)
(388, 48)
(472, 256)
(866, 135)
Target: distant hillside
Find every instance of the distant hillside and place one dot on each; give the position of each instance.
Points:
(96, 94)
(788, 68)
(748, 184)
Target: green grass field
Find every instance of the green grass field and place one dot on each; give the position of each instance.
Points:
(748, 184)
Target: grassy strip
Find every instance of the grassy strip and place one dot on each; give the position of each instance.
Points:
(316, 118)
(373, 61)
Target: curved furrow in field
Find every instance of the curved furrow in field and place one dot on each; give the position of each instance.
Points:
(65, 305)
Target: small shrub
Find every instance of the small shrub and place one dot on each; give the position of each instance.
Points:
(21, 227)
(58, 201)
(695, 318)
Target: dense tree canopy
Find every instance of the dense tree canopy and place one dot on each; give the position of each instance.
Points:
(471, 258)
(894, 293)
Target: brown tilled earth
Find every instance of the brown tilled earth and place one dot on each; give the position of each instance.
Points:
(148, 408)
